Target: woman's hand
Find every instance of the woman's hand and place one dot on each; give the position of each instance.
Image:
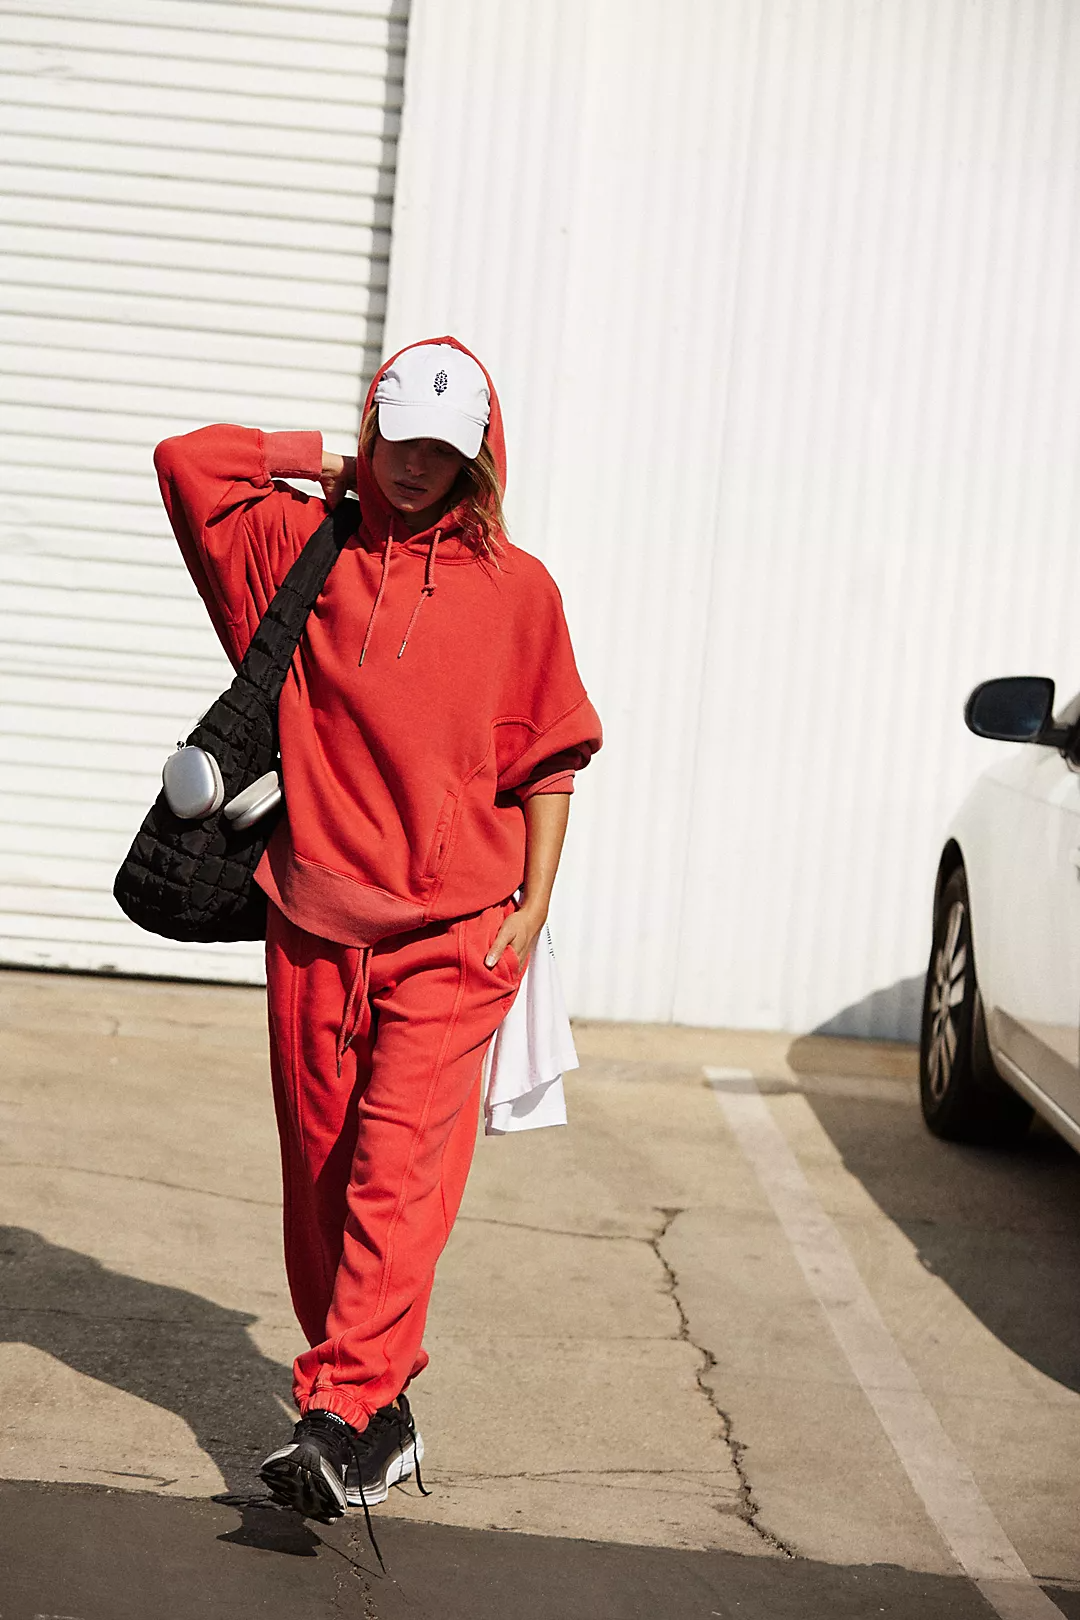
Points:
(521, 930)
(338, 475)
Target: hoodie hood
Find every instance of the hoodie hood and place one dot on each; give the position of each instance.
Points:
(377, 512)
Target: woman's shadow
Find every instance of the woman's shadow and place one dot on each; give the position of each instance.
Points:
(169, 1347)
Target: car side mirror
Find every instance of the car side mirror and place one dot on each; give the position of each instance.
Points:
(1015, 708)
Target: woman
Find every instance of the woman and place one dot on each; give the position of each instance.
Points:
(430, 729)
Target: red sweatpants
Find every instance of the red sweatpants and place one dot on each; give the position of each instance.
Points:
(376, 1136)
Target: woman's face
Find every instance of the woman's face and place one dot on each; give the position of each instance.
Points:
(416, 476)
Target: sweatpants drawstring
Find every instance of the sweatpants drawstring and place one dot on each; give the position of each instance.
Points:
(353, 1015)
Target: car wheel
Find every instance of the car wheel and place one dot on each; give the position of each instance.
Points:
(963, 1097)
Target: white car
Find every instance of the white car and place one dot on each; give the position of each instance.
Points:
(1001, 1010)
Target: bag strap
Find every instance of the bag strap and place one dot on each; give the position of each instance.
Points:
(270, 651)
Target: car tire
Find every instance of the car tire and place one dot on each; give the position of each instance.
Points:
(964, 1099)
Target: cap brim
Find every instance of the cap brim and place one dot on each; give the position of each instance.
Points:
(400, 422)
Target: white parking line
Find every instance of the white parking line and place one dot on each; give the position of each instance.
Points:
(938, 1473)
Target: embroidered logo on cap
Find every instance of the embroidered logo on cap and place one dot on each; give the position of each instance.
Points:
(442, 382)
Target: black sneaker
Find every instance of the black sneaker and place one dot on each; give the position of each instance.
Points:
(386, 1452)
(309, 1473)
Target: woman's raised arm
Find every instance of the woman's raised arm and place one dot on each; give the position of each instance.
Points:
(238, 530)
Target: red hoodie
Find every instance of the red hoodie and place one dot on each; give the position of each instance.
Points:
(403, 779)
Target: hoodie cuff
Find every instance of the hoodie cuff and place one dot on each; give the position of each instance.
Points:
(293, 455)
(562, 783)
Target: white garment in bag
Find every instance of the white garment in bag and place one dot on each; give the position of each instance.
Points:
(530, 1052)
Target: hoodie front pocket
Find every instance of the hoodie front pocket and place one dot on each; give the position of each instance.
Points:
(439, 848)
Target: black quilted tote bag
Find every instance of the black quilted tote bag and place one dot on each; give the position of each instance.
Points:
(195, 880)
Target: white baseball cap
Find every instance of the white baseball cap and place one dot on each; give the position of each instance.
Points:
(434, 391)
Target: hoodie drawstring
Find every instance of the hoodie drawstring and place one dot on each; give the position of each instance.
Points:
(427, 588)
(378, 596)
(353, 1014)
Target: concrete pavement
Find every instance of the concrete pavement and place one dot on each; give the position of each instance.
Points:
(627, 1363)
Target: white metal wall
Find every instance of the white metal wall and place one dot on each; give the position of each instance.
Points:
(780, 295)
(194, 226)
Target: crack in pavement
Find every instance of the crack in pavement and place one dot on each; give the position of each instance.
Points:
(126, 1473)
(748, 1509)
(354, 1571)
(749, 1506)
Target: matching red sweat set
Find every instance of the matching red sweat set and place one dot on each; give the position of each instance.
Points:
(409, 740)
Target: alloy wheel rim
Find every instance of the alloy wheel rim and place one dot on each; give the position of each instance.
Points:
(946, 995)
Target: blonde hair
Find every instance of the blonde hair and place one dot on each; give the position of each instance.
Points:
(478, 486)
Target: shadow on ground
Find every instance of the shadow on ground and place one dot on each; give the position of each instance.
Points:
(108, 1555)
(169, 1347)
(1002, 1229)
(892, 1014)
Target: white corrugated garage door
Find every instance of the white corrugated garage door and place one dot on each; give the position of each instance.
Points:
(194, 226)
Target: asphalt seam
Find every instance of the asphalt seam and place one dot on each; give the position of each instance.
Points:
(147, 1181)
(177, 1322)
(552, 1231)
(586, 1473)
(749, 1509)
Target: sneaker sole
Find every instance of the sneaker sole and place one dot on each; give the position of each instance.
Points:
(309, 1490)
(400, 1468)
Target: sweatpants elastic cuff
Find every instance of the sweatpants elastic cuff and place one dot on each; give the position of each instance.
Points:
(341, 1403)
